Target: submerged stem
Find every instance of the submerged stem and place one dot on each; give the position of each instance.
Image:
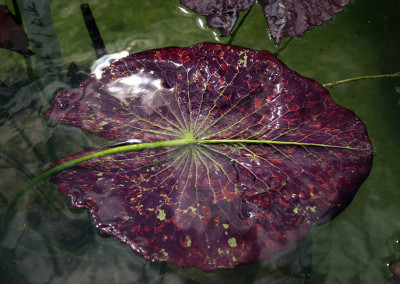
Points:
(334, 83)
(23, 135)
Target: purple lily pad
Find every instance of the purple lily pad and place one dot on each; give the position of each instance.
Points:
(286, 18)
(288, 156)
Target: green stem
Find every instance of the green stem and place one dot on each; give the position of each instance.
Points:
(334, 83)
(136, 147)
(114, 150)
(273, 142)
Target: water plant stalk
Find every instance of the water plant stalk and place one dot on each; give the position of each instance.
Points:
(143, 146)
(334, 83)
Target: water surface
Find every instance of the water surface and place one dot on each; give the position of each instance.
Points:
(49, 241)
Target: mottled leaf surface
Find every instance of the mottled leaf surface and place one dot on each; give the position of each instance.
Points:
(286, 18)
(288, 156)
(11, 35)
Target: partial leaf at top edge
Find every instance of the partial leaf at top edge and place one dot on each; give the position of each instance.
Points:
(291, 18)
(274, 154)
(285, 18)
(220, 14)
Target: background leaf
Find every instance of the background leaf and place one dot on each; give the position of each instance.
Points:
(291, 18)
(11, 35)
(286, 18)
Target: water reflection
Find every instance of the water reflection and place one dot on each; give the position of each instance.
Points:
(105, 61)
(143, 83)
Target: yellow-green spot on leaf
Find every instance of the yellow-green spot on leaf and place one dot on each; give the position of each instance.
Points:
(150, 209)
(161, 216)
(226, 226)
(296, 210)
(232, 242)
(243, 62)
(165, 255)
(188, 241)
(311, 208)
(281, 5)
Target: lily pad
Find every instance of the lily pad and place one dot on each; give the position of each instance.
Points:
(244, 157)
(286, 18)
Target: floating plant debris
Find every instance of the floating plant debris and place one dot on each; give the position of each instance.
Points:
(243, 154)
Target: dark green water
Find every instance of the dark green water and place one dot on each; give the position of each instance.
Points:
(50, 242)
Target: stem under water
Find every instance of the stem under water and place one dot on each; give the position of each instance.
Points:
(23, 135)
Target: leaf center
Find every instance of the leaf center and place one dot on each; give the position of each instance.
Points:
(189, 138)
